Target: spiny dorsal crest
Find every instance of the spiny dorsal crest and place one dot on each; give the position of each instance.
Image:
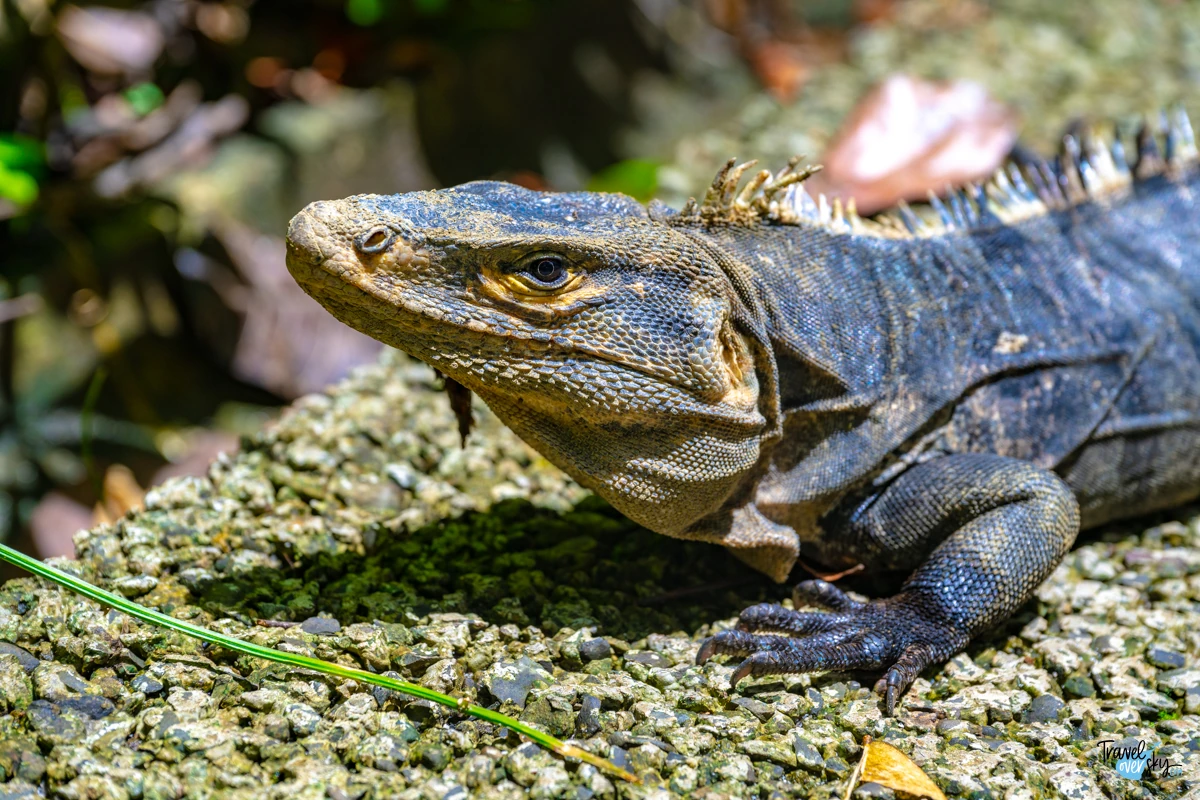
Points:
(765, 197)
(1088, 168)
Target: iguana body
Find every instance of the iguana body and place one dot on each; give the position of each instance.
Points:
(763, 373)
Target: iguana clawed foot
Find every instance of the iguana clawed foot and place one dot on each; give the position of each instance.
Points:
(896, 634)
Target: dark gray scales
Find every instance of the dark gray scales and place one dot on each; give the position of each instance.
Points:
(949, 400)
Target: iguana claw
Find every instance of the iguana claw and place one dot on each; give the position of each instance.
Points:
(891, 634)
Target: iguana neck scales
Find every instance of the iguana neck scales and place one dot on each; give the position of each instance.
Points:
(950, 398)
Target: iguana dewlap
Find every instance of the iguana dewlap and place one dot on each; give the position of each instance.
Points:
(951, 400)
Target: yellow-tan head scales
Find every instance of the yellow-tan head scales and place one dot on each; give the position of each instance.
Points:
(586, 274)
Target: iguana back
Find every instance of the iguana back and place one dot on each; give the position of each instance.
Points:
(1034, 339)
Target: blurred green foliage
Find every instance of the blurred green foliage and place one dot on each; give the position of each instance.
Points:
(636, 177)
(143, 98)
(364, 12)
(370, 12)
(22, 161)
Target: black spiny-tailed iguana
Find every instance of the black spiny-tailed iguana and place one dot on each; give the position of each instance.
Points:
(952, 400)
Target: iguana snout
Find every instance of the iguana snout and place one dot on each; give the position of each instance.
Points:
(337, 240)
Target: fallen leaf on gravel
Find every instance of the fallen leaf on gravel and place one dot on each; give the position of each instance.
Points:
(883, 764)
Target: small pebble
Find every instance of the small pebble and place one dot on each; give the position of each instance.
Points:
(320, 625)
(146, 685)
(1165, 659)
(587, 722)
(26, 659)
(873, 791)
(1044, 708)
(595, 649)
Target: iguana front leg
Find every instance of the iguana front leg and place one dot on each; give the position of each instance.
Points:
(996, 527)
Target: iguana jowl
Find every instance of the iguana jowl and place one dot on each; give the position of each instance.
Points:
(952, 400)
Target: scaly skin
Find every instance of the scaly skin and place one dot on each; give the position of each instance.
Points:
(951, 405)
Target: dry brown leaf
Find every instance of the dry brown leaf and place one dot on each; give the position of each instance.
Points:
(872, 12)
(883, 764)
(771, 41)
(122, 493)
(908, 137)
(781, 67)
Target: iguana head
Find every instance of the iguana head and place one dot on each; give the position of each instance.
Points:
(614, 342)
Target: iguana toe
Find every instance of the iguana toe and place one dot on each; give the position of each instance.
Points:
(774, 617)
(896, 635)
(823, 594)
(901, 675)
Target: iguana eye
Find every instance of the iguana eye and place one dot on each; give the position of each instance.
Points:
(540, 275)
(549, 271)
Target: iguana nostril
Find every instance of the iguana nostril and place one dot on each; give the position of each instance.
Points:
(375, 240)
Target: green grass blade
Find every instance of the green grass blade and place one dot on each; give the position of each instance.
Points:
(258, 651)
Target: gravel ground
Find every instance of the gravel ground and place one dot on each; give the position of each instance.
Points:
(482, 571)
(348, 517)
